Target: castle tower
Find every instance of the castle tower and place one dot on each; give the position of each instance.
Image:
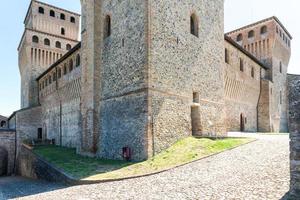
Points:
(270, 42)
(91, 51)
(149, 79)
(49, 33)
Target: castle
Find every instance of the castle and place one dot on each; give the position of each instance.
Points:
(146, 74)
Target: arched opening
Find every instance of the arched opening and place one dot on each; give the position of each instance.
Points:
(77, 60)
(251, 34)
(62, 16)
(3, 162)
(41, 10)
(263, 30)
(239, 37)
(3, 124)
(242, 123)
(72, 19)
(252, 72)
(35, 39)
(107, 26)
(47, 42)
(62, 31)
(52, 13)
(68, 47)
(58, 44)
(194, 25)
(70, 65)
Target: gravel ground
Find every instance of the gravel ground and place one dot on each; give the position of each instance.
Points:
(259, 170)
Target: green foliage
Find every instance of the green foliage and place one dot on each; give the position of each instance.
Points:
(182, 152)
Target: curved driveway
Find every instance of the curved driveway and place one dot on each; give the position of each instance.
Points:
(259, 170)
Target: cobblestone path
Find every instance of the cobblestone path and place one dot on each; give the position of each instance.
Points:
(259, 170)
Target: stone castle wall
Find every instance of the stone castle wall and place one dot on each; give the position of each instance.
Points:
(273, 48)
(294, 128)
(242, 90)
(7, 145)
(59, 95)
(123, 104)
(182, 65)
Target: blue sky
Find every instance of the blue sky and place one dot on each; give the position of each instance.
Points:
(237, 13)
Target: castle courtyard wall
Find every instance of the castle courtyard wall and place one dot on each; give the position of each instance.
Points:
(123, 104)
(181, 64)
(242, 90)
(294, 128)
(60, 101)
(7, 143)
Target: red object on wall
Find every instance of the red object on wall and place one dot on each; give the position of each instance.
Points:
(126, 153)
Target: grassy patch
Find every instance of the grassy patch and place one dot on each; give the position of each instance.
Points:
(182, 152)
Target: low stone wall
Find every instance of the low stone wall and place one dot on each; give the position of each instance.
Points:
(32, 166)
(7, 144)
(294, 127)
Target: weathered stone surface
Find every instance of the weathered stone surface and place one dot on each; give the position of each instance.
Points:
(7, 151)
(294, 127)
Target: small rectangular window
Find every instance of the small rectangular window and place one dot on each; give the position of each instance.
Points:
(196, 98)
(226, 56)
(241, 65)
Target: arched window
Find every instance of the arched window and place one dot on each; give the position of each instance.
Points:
(107, 26)
(35, 39)
(70, 65)
(47, 42)
(52, 13)
(58, 44)
(62, 31)
(251, 34)
(239, 37)
(65, 69)
(41, 10)
(263, 30)
(62, 16)
(194, 25)
(77, 60)
(252, 72)
(68, 47)
(72, 19)
(3, 124)
(50, 79)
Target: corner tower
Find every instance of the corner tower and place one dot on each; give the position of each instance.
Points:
(49, 33)
(270, 42)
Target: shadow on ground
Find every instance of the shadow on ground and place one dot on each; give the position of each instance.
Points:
(17, 187)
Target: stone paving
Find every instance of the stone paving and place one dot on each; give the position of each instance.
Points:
(259, 170)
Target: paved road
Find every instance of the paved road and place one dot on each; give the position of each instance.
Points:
(259, 170)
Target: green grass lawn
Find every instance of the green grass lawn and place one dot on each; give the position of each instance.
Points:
(184, 151)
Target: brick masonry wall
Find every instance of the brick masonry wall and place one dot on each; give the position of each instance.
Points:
(242, 91)
(7, 142)
(294, 128)
(60, 101)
